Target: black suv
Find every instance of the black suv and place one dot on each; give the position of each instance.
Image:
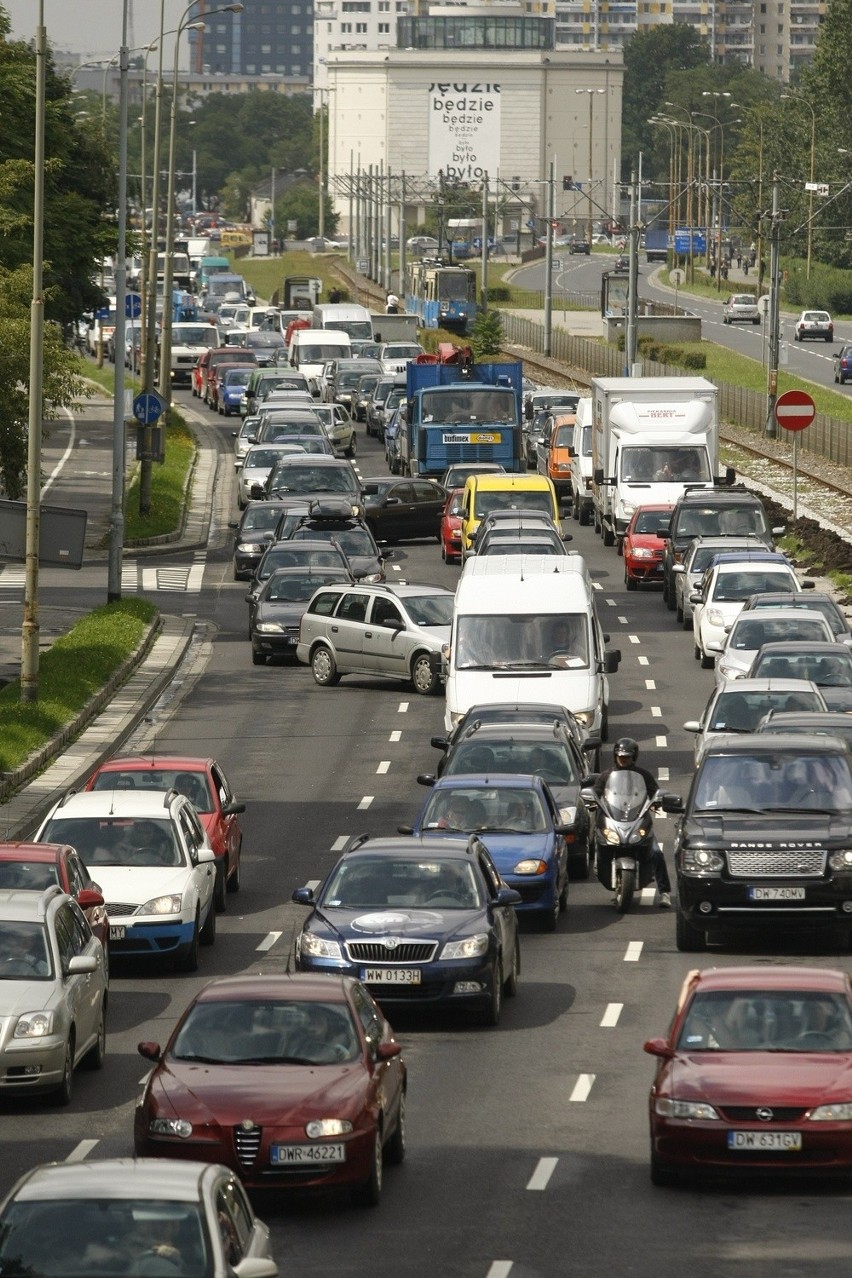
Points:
(704, 512)
(766, 839)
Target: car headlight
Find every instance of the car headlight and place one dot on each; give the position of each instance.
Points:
(471, 947)
(841, 860)
(840, 1112)
(327, 1127)
(247, 547)
(170, 1127)
(530, 866)
(628, 507)
(319, 947)
(564, 468)
(34, 1025)
(729, 669)
(702, 861)
(642, 552)
(715, 617)
(269, 628)
(162, 905)
(568, 814)
(669, 1108)
(372, 577)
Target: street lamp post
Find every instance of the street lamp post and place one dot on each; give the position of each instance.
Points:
(116, 523)
(797, 97)
(591, 93)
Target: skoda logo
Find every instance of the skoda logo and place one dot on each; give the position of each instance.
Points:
(765, 1115)
(390, 942)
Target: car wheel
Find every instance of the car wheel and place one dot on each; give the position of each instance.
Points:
(232, 883)
(443, 552)
(679, 613)
(353, 447)
(579, 866)
(661, 1174)
(324, 668)
(189, 962)
(257, 658)
(369, 1194)
(510, 985)
(798, 337)
(550, 917)
(630, 582)
(395, 1148)
(584, 518)
(426, 680)
(208, 933)
(696, 652)
(755, 321)
(96, 1054)
(669, 596)
(491, 1015)
(689, 939)
(619, 546)
(596, 521)
(219, 890)
(708, 661)
(828, 337)
(62, 1095)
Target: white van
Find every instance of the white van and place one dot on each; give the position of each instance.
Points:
(544, 645)
(582, 506)
(310, 350)
(345, 316)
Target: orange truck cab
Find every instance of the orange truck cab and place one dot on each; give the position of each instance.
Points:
(553, 453)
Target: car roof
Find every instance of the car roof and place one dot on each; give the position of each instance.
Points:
(734, 559)
(25, 905)
(727, 496)
(778, 614)
(510, 730)
(42, 852)
(824, 647)
(490, 781)
(115, 803)
(807, 600)
(770, 683)
(122, 1178)
(803, 719)
(770, 978)
(310, 986)
(411, 847)
(792, 743)
(317, 459)
(141, 762)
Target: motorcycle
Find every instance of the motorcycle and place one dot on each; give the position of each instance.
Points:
(624, 832)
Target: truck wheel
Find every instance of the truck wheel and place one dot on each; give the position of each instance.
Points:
(608, 536)
(597, 521)
(584, 517)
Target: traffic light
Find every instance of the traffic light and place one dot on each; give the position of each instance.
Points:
(516, 184)
(567, 183)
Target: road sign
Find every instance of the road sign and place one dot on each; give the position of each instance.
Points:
(794, 410)
(133, 305)
(147, 408)
(102, 312)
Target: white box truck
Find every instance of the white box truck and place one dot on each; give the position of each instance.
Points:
(652, 437)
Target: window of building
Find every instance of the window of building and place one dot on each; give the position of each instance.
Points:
(384, 28)
(360, 28)
(346, 28)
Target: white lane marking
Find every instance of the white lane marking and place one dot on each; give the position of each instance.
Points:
(54, 474)
(365, 802)
(395, 736)
(662, 774)
(129, 578)
(651, 685)
(196, 575)
(647, 896)
(611, 1015)
(384, 766)
(339, 843)
(540, 1178)
(643, 661)
(313, 884)
(403, 707)
(80, 1151)
(500, 1269)
(623, 621)
(269, 940)
(634, 638)
(656, 712)
(661, 742)
(396, 567)
(582, 1087)
(634, 950)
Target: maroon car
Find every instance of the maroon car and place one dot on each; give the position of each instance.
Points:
(642, 548)
(36, 866)
(291, 1081)
(204, 784)
(754, 1075)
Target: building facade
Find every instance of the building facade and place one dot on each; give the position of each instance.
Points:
(269, 38)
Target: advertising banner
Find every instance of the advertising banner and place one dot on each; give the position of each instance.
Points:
(464, 130)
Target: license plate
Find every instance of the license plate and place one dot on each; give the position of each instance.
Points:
(391, 976)
(305, 1155)
(776, 894)
(117, 933)
(784, 1142)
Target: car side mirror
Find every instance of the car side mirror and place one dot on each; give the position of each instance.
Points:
(233, 809)
(405, 829)
(425, 778)
(692, 725)
(671, 802)
(439, 743)
(611, 661)
(303, 896)
(507, 896)
(591, 744)
(387, 1051)
(658, 1047)
(394, 623)
(88, 898)
(151, 1051)
(808, 585)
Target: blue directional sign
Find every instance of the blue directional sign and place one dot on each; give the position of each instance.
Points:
(102, 312)
(682, 237)
(148, 407)
(133, 305)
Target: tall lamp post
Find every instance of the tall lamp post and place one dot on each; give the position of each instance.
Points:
(591, 93)
(797, 97)
(116, 523)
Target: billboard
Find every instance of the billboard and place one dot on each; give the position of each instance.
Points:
(464, 130)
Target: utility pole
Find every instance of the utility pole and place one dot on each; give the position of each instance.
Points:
(548, 262)
(116, 526)
(770, 429)
(483, 302)
(631, 331)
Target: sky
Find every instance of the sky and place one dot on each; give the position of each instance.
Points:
(92, 28)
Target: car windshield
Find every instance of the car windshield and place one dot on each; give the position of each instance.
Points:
(736, 586)
(710, 521)
(664, 465)
(826, 670)
(564, 437)
(298, 587)
(195, 785)
(321, 354)
(297, 478)
(261, 517)
(404, 350)
(354, 541)
(24, 952)
(200, 336)
(767, 1021)
(767, 780)
(468, 404)
(430, 610)
(118, 840)
(497, 499)
(652, 521)
(375, 883)
(267, 1032)
(553, 762)
(237, 377)
(485, 808)
(736, 711)
(284, 557)
(261, 458)
(509, 641)
(111, 1237)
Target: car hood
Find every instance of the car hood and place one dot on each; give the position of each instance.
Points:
(416, 924)
(28, 995)
(364, 566)
(288, 614)
(137, 884)
(270, 1095)
(770, 830)
(837, 698)
(760, 1078)
(647, 541)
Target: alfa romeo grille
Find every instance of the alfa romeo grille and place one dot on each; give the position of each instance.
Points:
(247, 1142)
(401, 952)
(785, 863)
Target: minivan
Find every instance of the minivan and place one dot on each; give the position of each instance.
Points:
(311, 348)
(346, 316)
(488, 492)
(525, 629)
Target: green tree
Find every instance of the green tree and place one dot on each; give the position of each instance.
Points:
(650, 56)
(301, 205)
(486, 336)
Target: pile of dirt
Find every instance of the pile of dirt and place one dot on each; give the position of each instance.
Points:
(822, 551)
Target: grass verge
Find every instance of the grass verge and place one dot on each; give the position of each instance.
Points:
(70, 672)
(105, 377)
(168, 487)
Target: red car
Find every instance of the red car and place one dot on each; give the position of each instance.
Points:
(204, 784)
(451, 527)
(291, 1081)
(214, 355)
(642, 548)
(754, 1075)
(36, 866)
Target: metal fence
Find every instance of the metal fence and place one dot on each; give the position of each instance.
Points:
(826, 437)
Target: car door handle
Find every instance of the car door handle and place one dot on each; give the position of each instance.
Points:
(368, 634)
(334, 630)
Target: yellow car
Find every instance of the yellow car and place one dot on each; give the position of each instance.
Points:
(484, 494)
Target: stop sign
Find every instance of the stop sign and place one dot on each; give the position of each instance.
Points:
(794, 410)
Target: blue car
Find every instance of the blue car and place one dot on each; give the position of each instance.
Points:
(418, 922)
(519, 822)
(232, 390)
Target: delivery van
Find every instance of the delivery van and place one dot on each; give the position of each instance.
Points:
(525, 629)
(484, 493)
(345, 317)
(310, 349)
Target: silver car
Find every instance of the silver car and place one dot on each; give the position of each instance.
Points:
(396, 631)
(752, 630)
(257, 464)
(739, 707)
(697, 557)
(54, 982)
(741, 306)
(339, 427)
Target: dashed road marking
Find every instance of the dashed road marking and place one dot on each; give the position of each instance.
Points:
(643, 661)
(623, 621)
(662, 774)
(339, 843)
(365, 802)
(395, 736)
(661, 742)
(500, 1269)
(403, 707)
(384, 766)
(269, 940)
(540, 1178)
(647, 895)
(656, 712)
(633, 951)
(651, 685)
(81, 1151)
(582, 1087)
(634, 639)
(609, 1020)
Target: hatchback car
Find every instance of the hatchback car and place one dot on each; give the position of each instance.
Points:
(827, 664)
(752, 1075)
(697, 557)
(843, 365)
(315, 553)
(314, 477)
(580, 246)
(394, 631)
(128, 1216)
(741, 307)
(451, 517)
(33, 867)
(257, 465)
(739, 706)
(54, 984)
(816, 325)
(454, 476)
(156, 866)
(420, 923)
(203, 782)
(231, 389)
(339, 427)
(320, 1042)
(254, 533)
(278, 607)
(831, 723)
(396, 509)
(642, 547)
(751, 631)
(725, 586)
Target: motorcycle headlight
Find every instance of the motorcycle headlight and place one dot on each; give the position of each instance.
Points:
(610, 835)
(669, 1108)
(34, 1025)
(471, 947)
(162, 905)
(319, 947)
(702, 861)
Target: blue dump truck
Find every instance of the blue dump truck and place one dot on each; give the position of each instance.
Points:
(656, 243)
(457, 411)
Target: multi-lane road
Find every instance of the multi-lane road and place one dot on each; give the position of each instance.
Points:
(528, 1146)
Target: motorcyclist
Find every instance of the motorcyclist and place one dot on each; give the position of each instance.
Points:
(625, 753)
